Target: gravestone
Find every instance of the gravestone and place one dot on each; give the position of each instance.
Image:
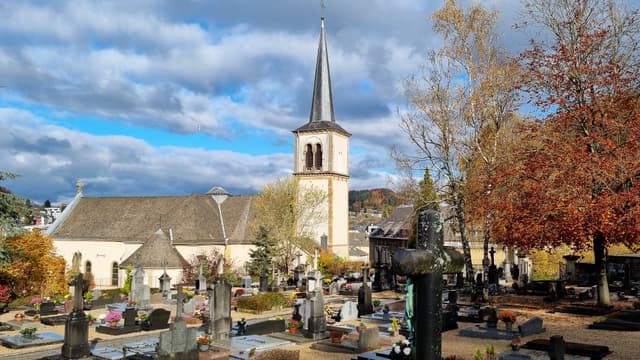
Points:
(129, 315)
(349, 311)
(316, 318)
(158, 319)
(157, 298)
(201, 282)
(140, 292)
(365, 307)
(530, 327)
(493, 270)
(165, 286)
(189, 307)
(219, 326)
(246, 282)
(76, 329)
(425, 265)
(334, 288)
(179, 342)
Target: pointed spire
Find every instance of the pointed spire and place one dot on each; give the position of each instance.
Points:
(322, 101)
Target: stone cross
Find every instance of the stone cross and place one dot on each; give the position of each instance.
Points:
(425, 265)
(76, 332)
(179, 303)
(298, 255)
(315, 259)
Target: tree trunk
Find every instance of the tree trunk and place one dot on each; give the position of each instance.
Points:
(485, 249)
(599, 252)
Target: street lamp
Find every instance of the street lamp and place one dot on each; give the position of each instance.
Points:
(219, 195)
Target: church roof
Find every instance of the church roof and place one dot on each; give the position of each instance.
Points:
(193, 219)
(156, 252)
(396, 226)
(322, 116)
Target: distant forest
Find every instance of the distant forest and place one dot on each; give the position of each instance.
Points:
(379, 199)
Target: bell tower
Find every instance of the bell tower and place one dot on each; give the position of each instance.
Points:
(321, 158)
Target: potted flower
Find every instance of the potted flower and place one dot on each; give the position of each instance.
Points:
(88, 296)
(361, 326)
(113, 317)
(204, 341)
(242, 326)
(89, 319)
(515, 343)
(36, 302)
(402, 350)
(294, 325)
(508, 317)
(492, 318)
(395, 329)
(28, 332)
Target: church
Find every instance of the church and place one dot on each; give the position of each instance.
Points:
(162, 233)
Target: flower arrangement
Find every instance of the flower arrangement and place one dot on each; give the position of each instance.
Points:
(88, 316)
(294, 324)
(28, 331)
(402, 350)
(204, 340)
(88, 296)
(113, 316)
(507, 316)
(5, 293)
(515, 343)
(376, 302)
(143, 316)
(36, 302)
(187, 295)
(198, 314)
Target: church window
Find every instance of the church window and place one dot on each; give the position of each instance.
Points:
(114, 274)
(308, 157)
(87, 267)
(318, 156)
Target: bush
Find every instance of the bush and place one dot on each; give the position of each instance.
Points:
(262, 302)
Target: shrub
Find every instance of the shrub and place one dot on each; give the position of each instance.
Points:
(263, 302)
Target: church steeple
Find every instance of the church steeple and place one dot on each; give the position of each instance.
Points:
(322, 116)
(322, 101)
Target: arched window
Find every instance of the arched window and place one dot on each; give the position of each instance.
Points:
(318, 156)
(114, 274)
(308, 157)
(87, 267)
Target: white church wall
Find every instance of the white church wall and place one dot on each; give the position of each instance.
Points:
(101, 254)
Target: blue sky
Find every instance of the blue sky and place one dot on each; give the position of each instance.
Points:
(174, 97)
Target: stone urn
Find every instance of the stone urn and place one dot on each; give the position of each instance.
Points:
(203, 347)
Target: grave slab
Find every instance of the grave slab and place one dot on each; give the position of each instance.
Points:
(594, 352)
(482, 332)
(19, 325)
(40, 338)
(259, 342)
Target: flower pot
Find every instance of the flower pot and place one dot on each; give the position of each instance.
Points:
(19, 317)
(515, 347)
(509, 326)
(293, 330)
(336, 337)
(203, 347)
(114, 324)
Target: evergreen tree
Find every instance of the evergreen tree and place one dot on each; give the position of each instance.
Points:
(427, 198)
(12, 209)
(262, 255)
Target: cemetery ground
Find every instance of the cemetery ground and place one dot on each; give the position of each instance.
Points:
(574, 328)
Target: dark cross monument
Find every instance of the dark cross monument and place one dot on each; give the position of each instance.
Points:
(493, 270)
(364, 294)
(76, 330)
(425, 265)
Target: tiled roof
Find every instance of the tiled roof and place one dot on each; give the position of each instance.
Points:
(396, 226)
(193, 220)
(155, 252)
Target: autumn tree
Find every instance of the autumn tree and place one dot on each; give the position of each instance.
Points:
(463, 95)
(575, 175)
(287, 215)
(34, 269)
(210, 261)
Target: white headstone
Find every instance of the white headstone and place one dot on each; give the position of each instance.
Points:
(190, 307)
(349, 311)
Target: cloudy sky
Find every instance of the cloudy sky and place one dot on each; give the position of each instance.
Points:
(174, 97)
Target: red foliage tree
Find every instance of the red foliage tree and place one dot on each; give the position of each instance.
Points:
(574, 177)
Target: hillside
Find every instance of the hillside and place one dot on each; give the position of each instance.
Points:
(378, 199)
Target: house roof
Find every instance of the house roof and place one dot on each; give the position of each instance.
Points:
(396, 226)
(193, 220)
(358, 238)
(156, 252)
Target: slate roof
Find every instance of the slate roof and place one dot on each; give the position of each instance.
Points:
(193, 220)
(396, 226)
(154, 252)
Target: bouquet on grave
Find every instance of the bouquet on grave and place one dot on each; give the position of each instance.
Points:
(113, 316)
(204, 340)
(402, 350)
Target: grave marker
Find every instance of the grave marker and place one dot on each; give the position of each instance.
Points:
(76, 330)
